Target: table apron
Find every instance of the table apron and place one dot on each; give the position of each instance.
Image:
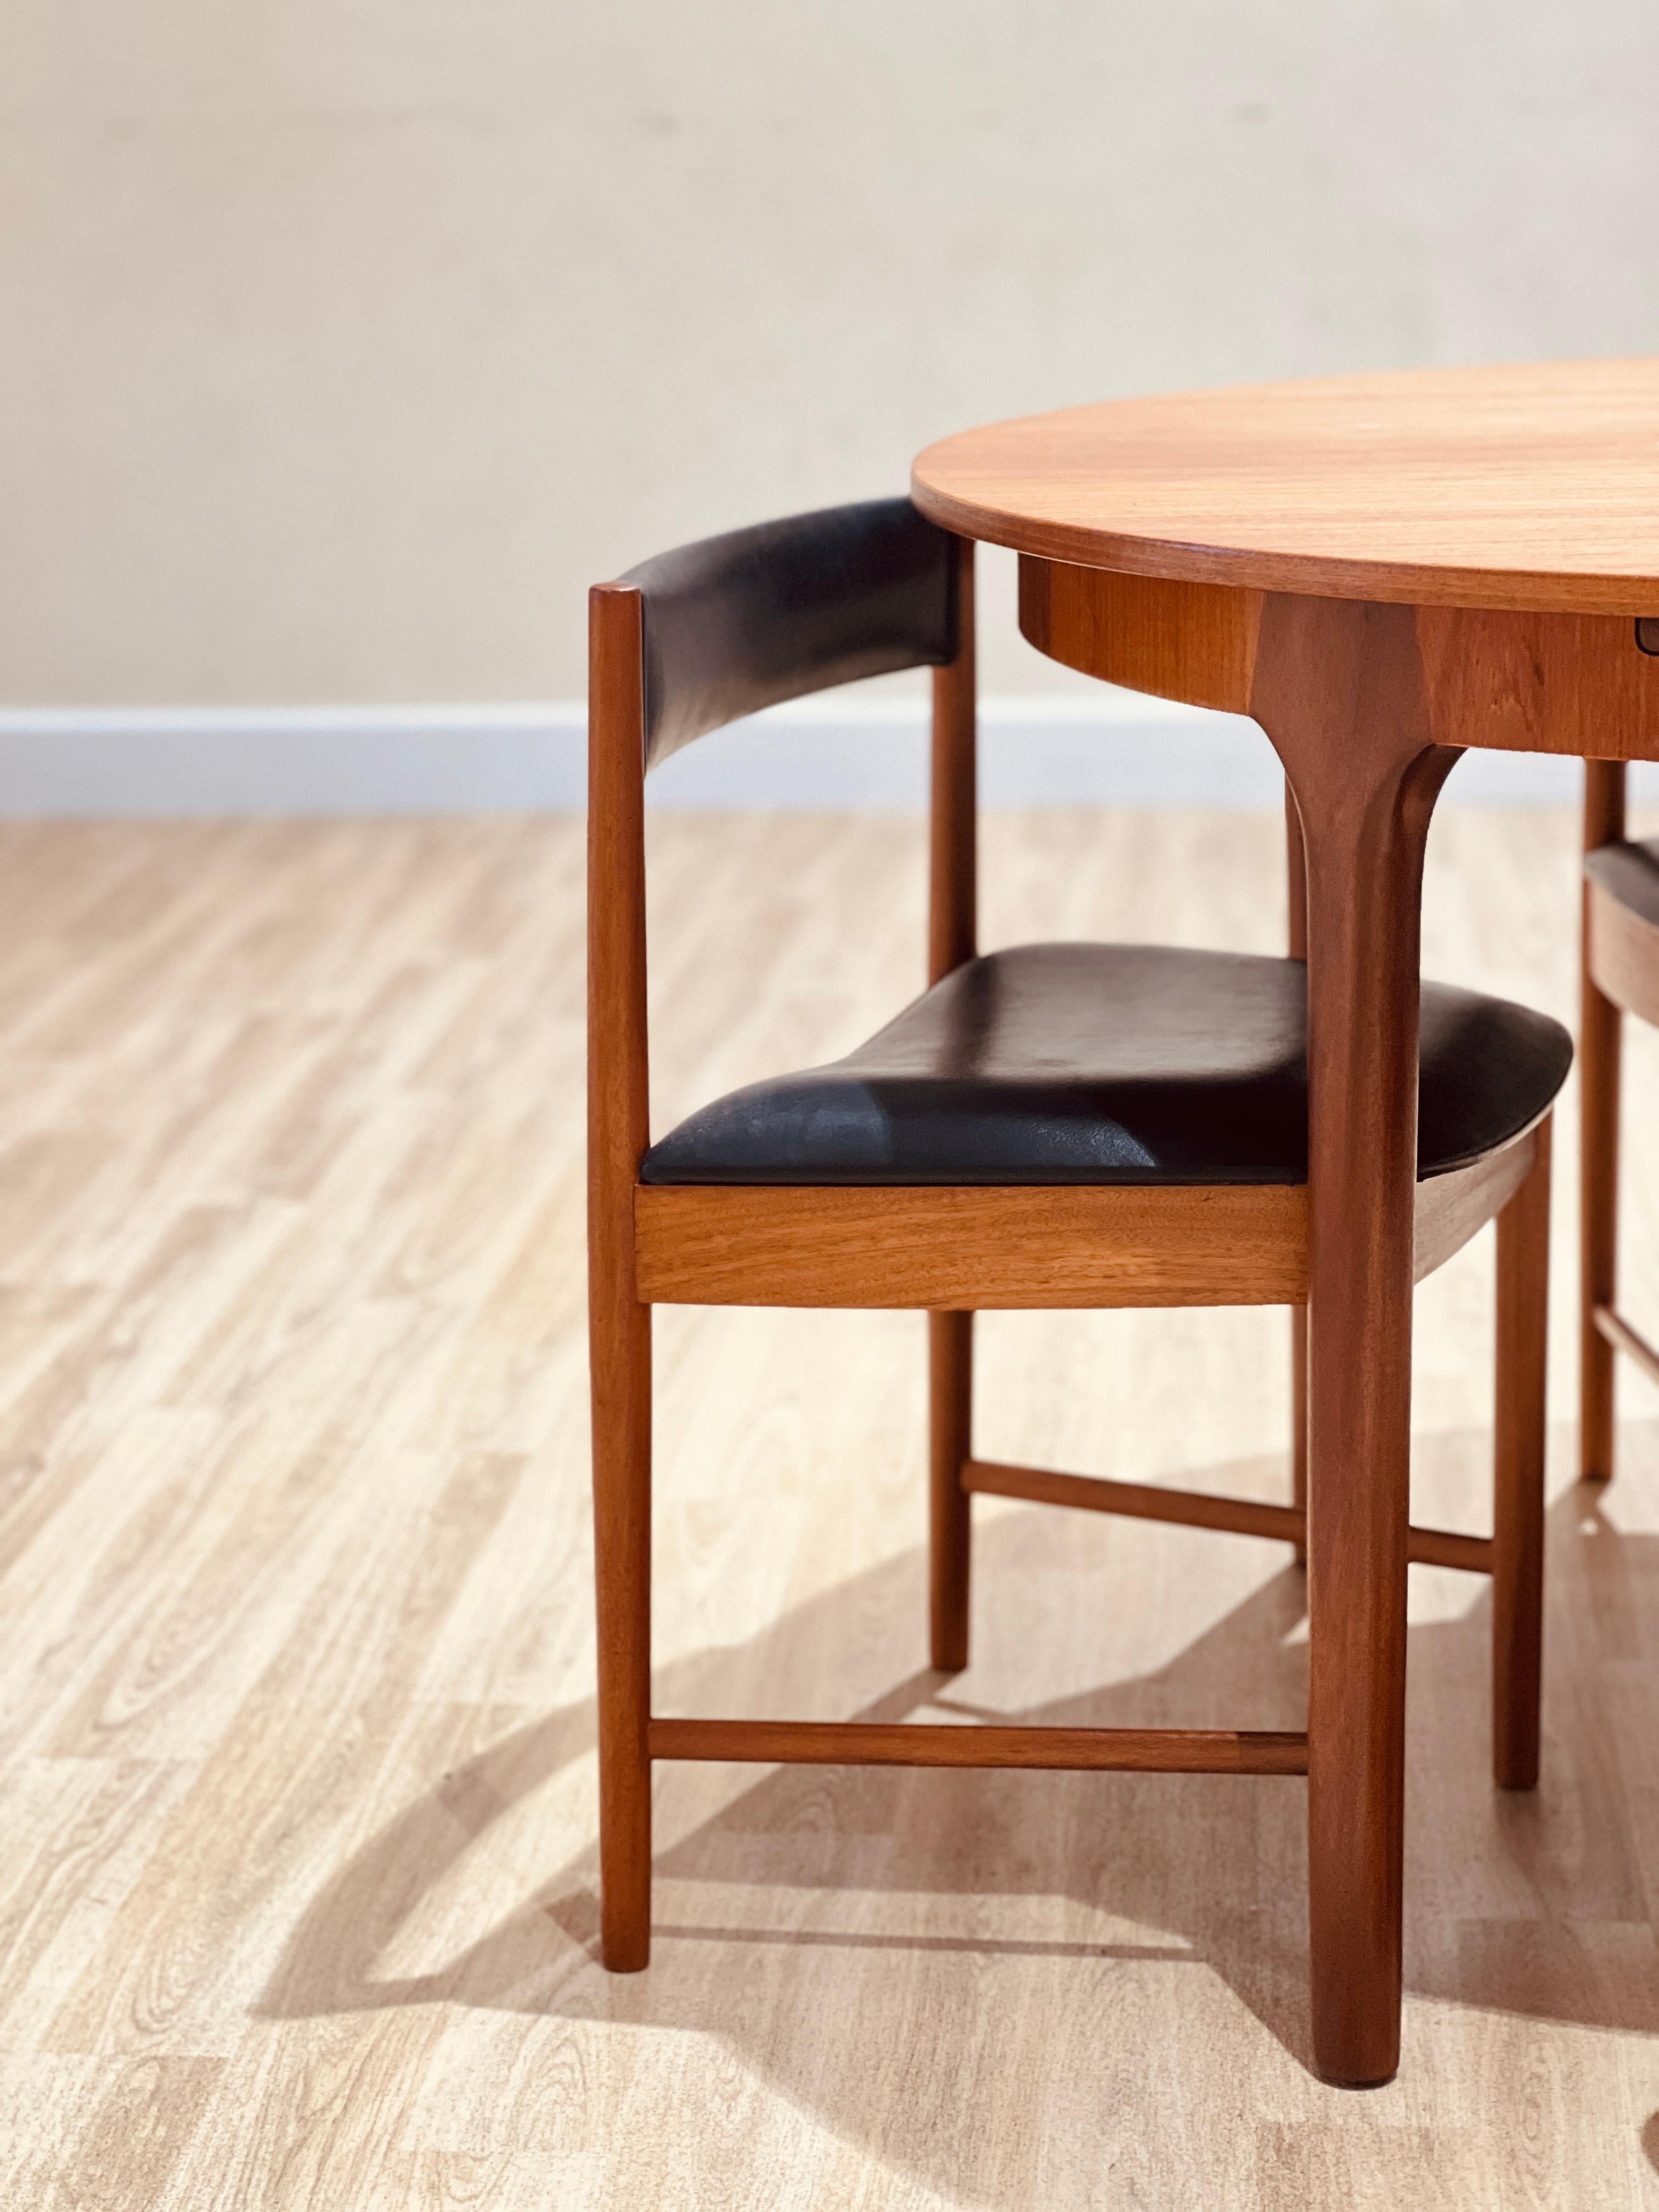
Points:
(1573, 684)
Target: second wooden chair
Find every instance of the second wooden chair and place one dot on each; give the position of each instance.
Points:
(1621, 975)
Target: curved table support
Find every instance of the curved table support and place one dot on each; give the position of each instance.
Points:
(1381, 570)
(1367, 706)
(1338, 688)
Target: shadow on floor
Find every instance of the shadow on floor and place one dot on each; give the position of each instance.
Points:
(1510, 1897)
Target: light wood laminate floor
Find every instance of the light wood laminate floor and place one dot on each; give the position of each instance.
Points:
(296, 1890)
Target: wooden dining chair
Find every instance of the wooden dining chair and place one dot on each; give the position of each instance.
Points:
(1621, 975)
(1064, 1125)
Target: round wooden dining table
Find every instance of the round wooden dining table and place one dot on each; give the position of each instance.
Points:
(1382, 571)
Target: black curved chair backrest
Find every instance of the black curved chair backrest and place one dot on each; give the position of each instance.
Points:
(700, 636)
(737, 622)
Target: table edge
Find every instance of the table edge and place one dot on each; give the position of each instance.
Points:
(1301, 575)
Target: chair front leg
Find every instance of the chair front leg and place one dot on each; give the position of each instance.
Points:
(1517, 1612)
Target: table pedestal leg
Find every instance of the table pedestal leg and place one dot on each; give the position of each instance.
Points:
(1338, 688)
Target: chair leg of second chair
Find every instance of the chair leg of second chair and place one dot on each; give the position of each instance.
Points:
(1517, 1602)
(950, 1433)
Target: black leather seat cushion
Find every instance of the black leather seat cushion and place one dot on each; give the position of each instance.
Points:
(1630, 874)
(1105, 1063)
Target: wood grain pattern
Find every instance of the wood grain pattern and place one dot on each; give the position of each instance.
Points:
(1530, 682)
(969, 1247)
(1522, 681)
(966, 1247)
(619, 1334)
(1533, 486)
(1101, 1751)
(299, 1897)
(1178, 640)
(1338, 688)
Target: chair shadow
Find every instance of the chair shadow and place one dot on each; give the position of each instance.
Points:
(1519, 1879)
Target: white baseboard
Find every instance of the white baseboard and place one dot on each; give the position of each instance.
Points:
(1116, 749)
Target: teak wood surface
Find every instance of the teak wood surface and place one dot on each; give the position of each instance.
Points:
(1381, 571)
(969, 1248)
(1534, 486)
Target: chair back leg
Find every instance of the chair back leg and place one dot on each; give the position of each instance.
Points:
(1517, 1603)
(952, 937)
(950, 1447)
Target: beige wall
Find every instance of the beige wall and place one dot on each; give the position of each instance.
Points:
(343, 342)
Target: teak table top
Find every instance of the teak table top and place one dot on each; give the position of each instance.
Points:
(1526, 487)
